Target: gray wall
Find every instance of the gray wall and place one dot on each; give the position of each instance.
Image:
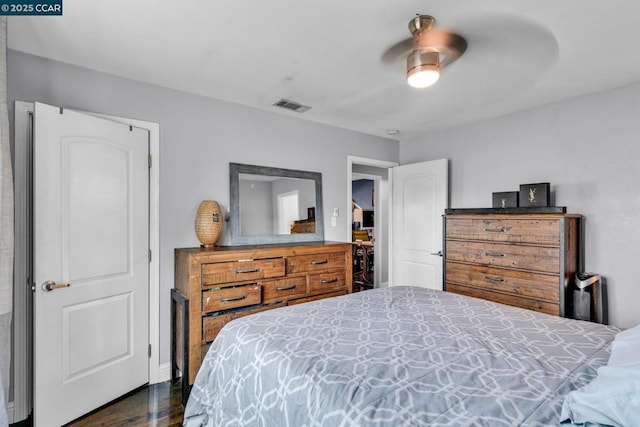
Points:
(198, 138)
(588, 148)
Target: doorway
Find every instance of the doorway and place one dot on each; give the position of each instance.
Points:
(377, 171)
(402, 219)
(363, 209)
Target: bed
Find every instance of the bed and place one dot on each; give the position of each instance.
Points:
(399, 356)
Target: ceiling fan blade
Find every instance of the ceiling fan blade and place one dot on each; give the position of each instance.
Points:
(505, 51)
(506, 35)
(450, 45)
(397, 51)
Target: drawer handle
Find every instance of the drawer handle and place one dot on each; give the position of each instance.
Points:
(334, 280)
(324, 261)
(285, 288)
(495, 279)
(243, 296)
(495, 254)
(496, 230)
(248, 270)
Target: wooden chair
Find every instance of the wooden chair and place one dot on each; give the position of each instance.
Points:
(361, 235)
(362, 261)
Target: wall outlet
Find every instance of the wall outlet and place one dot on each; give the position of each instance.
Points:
(334, 221)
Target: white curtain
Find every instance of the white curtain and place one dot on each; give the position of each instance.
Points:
(6, 231)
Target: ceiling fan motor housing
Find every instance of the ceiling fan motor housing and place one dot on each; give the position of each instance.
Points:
(425, 63)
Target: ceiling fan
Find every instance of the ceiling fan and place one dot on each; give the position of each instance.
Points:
(428, 50)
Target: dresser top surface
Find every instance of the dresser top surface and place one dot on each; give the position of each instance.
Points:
(548, 211)
(225, 249)
(473, 213)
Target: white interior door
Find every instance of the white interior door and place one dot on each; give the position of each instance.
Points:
(420, 196)
(288, 211)
(91, 231)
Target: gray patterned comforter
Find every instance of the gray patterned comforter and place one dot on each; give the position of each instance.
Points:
(402, 356)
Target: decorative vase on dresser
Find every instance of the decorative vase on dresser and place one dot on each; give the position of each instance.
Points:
(526, 260)
(216, 285)
(208, 223)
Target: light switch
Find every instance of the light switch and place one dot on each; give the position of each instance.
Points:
(335, 212)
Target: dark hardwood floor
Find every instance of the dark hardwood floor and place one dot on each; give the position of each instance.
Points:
(155, 405)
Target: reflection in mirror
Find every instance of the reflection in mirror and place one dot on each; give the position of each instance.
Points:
(275, 205)
(272, 205)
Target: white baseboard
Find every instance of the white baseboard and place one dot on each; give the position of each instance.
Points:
(10, 413)
(164, 372)
(383, 285)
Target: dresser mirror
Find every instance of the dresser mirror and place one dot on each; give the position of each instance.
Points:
(273, 205)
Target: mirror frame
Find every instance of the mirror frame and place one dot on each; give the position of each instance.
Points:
(236, 239)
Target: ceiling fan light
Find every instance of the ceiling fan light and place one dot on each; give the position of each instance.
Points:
(423, 68)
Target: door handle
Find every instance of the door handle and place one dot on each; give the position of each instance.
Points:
(439, 253)
(50, 285)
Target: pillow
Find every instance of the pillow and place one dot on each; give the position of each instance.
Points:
(613, 397)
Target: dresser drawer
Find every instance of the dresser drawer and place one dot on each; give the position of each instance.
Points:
(310, 263)
(211, 325)
(535, 258)
(545, 232)
(283, 289)
(238, 271)
(232, 297)
(326, 281)
(317, 297)
(532, 285)
(513, 300)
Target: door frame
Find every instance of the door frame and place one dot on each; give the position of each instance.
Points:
(384, 164)
(22, 403)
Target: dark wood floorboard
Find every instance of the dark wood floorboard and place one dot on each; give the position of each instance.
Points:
(156, 405)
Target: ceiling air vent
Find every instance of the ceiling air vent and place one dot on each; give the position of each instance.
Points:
(291, 105)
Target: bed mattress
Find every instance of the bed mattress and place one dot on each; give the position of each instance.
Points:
(399, 356)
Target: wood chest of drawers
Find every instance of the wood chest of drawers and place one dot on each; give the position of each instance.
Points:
(224, 283)
(524, 260)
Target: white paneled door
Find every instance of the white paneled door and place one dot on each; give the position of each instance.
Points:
(91, 271)
(420, 196)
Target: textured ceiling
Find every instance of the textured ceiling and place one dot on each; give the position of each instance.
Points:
(327, 54)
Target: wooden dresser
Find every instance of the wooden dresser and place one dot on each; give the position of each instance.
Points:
(524, 260)
(215, 286)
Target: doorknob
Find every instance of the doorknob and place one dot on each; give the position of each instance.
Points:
(439, 253)
(50, 285)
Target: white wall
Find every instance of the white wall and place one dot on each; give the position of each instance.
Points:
(199, 137)
(588, 148)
